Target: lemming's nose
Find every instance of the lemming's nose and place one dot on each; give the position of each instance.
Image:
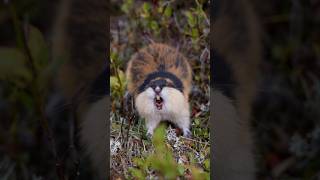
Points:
(157, 89)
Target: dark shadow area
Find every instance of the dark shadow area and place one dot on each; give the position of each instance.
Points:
(277, 90)
(53, 70)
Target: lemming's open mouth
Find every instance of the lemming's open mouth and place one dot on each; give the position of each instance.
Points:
(158, 102)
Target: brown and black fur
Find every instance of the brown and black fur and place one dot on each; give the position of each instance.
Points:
(158, 57)
(159, 71)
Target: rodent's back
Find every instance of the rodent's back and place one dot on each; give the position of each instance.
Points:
(158, 57)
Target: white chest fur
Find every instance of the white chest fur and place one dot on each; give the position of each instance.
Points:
(175, 109)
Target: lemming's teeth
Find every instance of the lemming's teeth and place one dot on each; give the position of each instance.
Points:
(158, 98)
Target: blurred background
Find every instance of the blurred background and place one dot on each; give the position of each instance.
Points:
(287, 112)
(36, 127)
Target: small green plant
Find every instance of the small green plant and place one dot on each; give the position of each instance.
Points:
(163, 163)
(118, 80)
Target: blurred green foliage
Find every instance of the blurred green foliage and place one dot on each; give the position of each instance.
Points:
(286, 113)
(162, 161)
(26, 72)
(19, 65)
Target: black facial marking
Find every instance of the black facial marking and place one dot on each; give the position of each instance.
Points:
(163, 74)
(158, 83)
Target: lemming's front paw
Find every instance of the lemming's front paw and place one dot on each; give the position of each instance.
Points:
(187, 133)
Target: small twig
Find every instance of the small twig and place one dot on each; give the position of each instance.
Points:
(189, 139)
(128, 112)
(130, 122)
(147, 37)
(203, 13)
(45, 125)
(117, 74)
(121, 126)
(203, 57)
(177, 22)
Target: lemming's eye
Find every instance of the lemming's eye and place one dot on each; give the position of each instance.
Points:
(152, 85)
